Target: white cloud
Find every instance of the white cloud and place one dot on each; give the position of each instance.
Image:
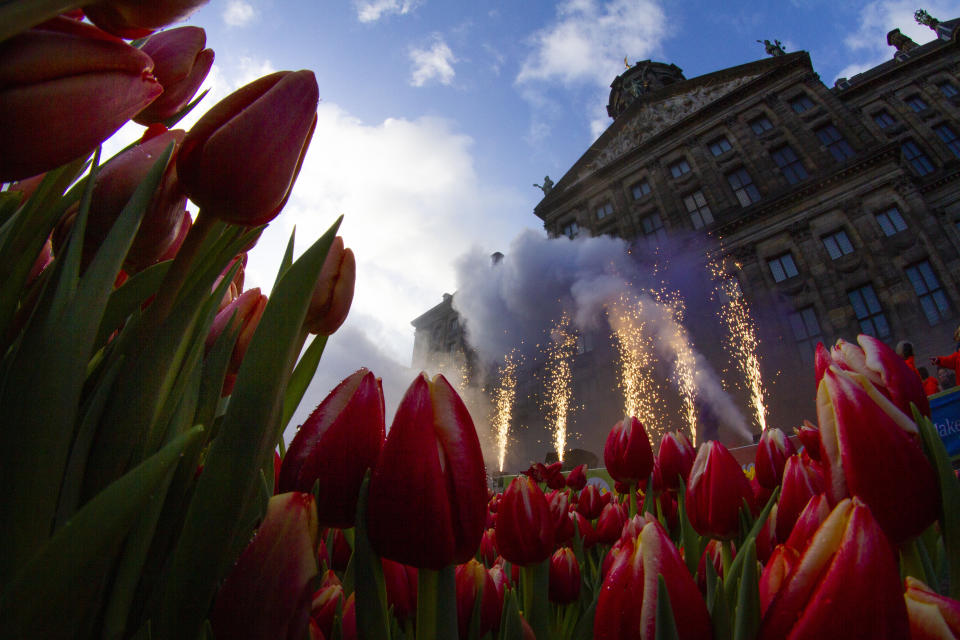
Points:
(868, 44)
(373, 10)
(238, 13)
(434, 63)
(588, 39)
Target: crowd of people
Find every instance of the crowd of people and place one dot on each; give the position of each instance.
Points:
(947, 367)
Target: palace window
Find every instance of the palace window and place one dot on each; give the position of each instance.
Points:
(837, 244)
(949, 137)
(761, 124)
(640, 189)
(743, 187)
(835, 143)
(699, 210)
(679, 168)
(916, 103)
(884, 119)
(653, 230)
(917, 158)
(571, 230)
(933, 300)
(790, 165)
(604, 210)
(947, 89)
(869, 312)
(806, 332)
(801, 103)
(720, 146)
(782, 267)
(891, 221)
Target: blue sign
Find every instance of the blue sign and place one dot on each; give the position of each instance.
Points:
(945, 414)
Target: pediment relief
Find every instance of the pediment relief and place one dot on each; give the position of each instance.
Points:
(653, 118)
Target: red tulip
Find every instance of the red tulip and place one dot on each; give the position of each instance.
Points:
(180, 65)
(809, 520)
(239, 161)
(881, 365)
(577, 478)
(560, 510)
(525, 527)
(932, 616)
(401, 583)
(627, 453)
(348, 621)
(610, 523)
(488, 548)
(554, 477)
(590, 503)
(712, 554)
(588, 535)
(115, 184)
(809, 436)
(268, 592)
(675, 458)
(185, 223)
(68, 86)
(336, 445)
(136, 18)
(761, 494)
(767, 537)
(500, 580)
(801, 481)
(245, 310)
(323, 608)
(428, 493)
(716, 492)
(817, 599)
(333, 292)
(340, 552)
(627, 604)
(472, 582)
(781, 562)
(872, 450)
(564, 576)
(772, 453)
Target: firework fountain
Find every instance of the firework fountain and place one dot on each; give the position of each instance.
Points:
(503, 401)
(560, 352)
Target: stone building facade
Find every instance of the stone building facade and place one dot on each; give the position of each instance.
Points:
(839, 206)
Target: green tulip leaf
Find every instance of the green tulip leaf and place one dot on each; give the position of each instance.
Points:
(128, 298)
(688, 535)
(373, 620)
(747, 613)
(78, 555)
(584, 628)
(287, 258)
(666, 626)
(731, 579)
(43, 399)
(949, 498)
(302, 375)
(510, 626)
(247, 436)
(172, 121)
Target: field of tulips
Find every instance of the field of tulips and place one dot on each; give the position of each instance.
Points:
(144, 393)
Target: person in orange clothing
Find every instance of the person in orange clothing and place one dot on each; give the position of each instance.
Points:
(951, 361)
(930, 384)
(905, 351)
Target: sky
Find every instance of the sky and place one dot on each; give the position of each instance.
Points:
(437, 118)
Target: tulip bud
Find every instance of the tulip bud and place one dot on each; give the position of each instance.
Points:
(401, 583)
(588, 535)
(245, 310)
(716, 492)
(180, 65)
(817, 600)
(560, 510)
(872, 450)
(185, 223)
(333, 293)
(525, 527)
(610, 523)
(53, 83)
(712, 553)
(564, 576)
(675, 458)
(809, 436)
(590, 503)
(932, 616)
(323, 607)
(577, 478)
(136, 18)
(627, 453)
(488, 548)
(554, 477)
(239, 161)
(267, 593)
(772, 453)
(348, 621)
(336, 445)
(340, 552)
(781, 562)
(115, 184)
(810, 519)
(472, 582)
(428, 493)
(627, 604)
(801, 481)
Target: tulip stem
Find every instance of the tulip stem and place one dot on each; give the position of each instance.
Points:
(20, 16)
(725, 557)
(633, 499)
(536, 607)
(427, 582)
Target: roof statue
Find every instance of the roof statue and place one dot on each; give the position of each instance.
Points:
(547, 185)
(903, 43)
(774, 48)
(924, 18)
